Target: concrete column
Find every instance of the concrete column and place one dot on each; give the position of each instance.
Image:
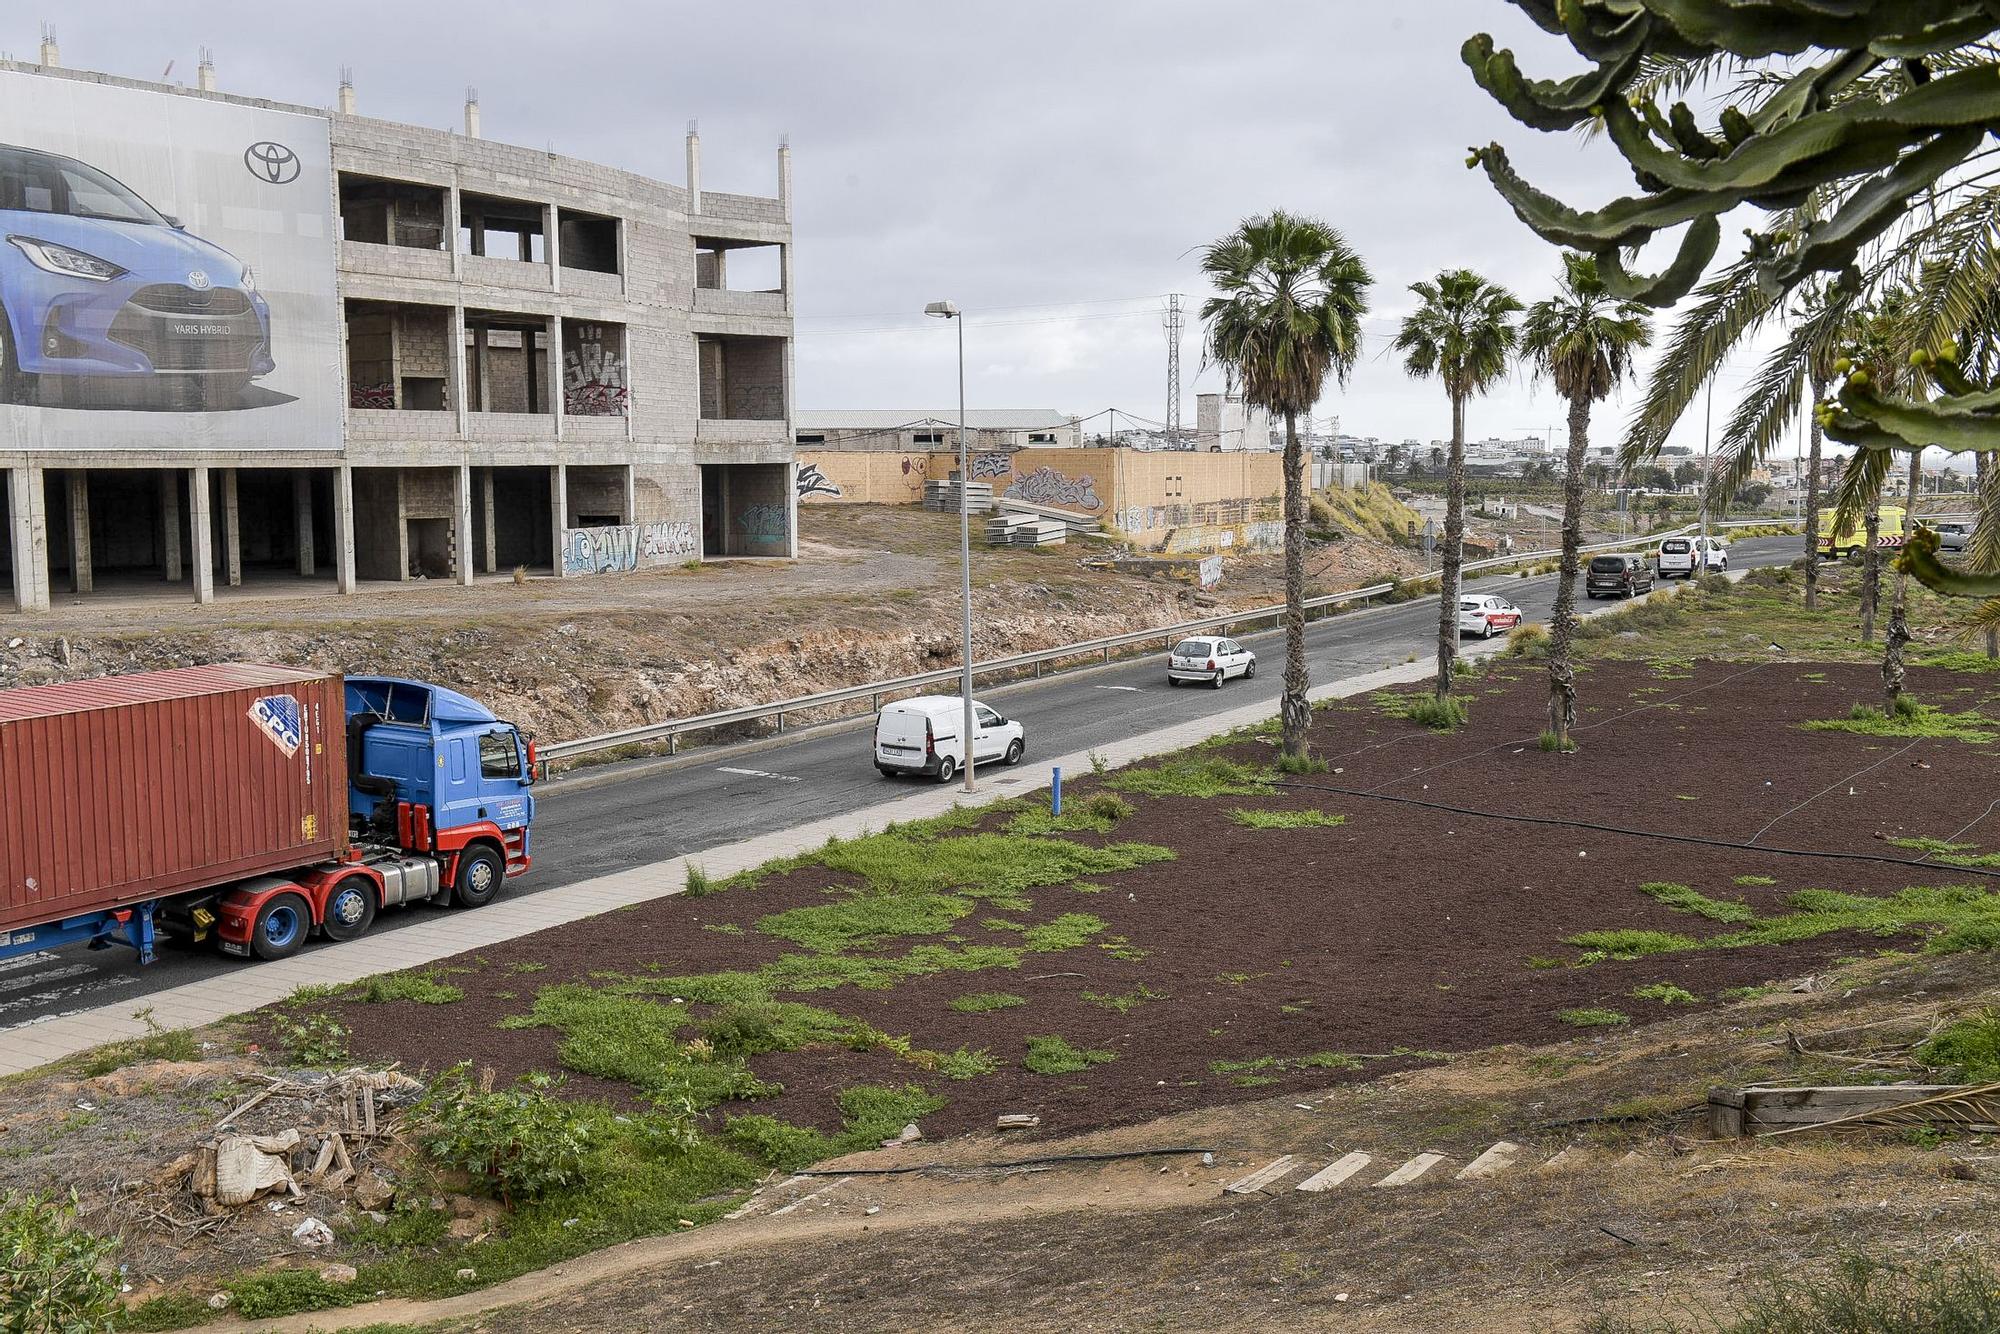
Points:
(343, 529)
(170, 523)
(79, 531)
(694, 167)
(461, 399)
(489, 556)
(201, 556)
(792, 508)
(785, 175)
(556, 372)
(482, 370)
(558, 510)
(29, 524)
(552, 244)
(631, 494)
(232, 531)
(302, 521)
(461, 526)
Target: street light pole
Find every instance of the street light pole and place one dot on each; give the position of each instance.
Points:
(946, 310)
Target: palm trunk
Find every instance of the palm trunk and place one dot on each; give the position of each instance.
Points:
(1562, 621)
(1989, 517)
(1871, 570)
(1812, 496)
(1899, 624)
(1454, 541)
(1294, 709)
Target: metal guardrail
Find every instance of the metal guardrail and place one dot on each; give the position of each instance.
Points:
(670, 732)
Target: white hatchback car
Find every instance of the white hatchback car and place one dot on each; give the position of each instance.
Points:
(1210, 659)
(1485, 615)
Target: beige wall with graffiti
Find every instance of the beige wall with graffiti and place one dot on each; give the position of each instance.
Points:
(1181, 501)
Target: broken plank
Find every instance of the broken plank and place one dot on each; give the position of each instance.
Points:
(1491, 1163)
(1329, 1177)
(1263, 1176)
(1411, 1170)
(248, 1103)
(805, 1199)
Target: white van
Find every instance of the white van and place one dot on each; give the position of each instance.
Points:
(1676, 558)
(920, 735)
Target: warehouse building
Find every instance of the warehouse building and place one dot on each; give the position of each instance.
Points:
(350, 350)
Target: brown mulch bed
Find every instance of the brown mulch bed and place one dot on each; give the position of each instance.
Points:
(1404, 929)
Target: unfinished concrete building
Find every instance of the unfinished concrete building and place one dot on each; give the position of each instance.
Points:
(544, 365)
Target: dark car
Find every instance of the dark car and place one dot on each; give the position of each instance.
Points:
(1618, 576)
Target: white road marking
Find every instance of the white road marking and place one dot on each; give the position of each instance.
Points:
(35, 960)
(64, 993)
(757, 773)
(1134, 689)
(42, 979)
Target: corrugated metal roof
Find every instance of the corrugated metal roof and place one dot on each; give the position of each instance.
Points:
(977, 419)
(111, 692)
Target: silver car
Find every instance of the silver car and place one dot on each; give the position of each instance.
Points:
(1953, 534)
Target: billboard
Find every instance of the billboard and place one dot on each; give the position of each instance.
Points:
(166, 272)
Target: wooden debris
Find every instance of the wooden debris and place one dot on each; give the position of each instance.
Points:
(1262, 1177)
(1491, 1163)
(1735, 1113)
(1329, 1177)
(1016, 1121)
(1411, 1170)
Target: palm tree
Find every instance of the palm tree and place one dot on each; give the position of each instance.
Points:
(1582, 340)
(1290, 297)
(1462, 332)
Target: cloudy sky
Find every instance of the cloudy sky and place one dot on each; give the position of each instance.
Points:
(1051, 167)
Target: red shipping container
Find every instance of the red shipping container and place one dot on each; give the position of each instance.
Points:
(129, 788)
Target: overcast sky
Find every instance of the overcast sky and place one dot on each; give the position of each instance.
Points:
(1051, 167)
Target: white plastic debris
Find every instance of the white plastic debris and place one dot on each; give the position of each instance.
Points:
(312, 1232)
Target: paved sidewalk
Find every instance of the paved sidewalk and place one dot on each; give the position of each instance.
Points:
(214, 998)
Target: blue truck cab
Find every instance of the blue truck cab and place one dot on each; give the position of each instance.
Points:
(437, 770)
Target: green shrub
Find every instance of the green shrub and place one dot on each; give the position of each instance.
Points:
(1683, 899)
(1972, 937)
(423, 988)
(1445, 713)
(964, 1064)
(1254, 819)
(980, 1002)
(1551, 743)
(1191, 776)
(1529, 639)
(1630, 942)
(1097, 813)
(1859, 1295)
(56, 1278)
(310, 1039)
(1592, 1017)
(520, 1142)
(1968, 1048)
(1666, 993)
(1052, 1055)
(159, 1044)
(698, 883)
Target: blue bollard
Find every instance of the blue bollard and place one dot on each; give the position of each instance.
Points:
(1055, 791)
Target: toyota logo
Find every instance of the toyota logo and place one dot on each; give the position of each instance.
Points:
(197, 280)
(272, 162)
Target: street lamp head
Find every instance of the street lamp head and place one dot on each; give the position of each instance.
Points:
(944, 310)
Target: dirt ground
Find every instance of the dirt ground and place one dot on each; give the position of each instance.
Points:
(1646, 1216)
(873, 595)
(1269, 945)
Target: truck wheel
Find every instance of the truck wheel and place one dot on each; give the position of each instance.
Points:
(281, 926)
(479, 875)
(947, 767)
(350, 909)
(1013, 755)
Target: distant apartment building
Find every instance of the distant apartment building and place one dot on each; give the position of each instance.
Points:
(1224, 422)
(340, 348)
(891, 430)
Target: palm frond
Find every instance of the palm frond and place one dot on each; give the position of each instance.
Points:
(1951, 268)
(1984, 618)
(1861, 485)
(1771, 401)
(1729, 307)
(1966, 1107)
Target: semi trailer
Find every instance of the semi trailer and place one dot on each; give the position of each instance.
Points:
(248, 805)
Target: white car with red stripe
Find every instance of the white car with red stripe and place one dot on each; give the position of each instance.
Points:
(1485, 615)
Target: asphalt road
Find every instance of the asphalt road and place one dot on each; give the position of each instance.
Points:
(725, 794)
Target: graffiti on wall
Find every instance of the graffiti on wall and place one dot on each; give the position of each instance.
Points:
(992, 465)
(593, 374)
(813, 482)
(1046, 486)
(763, 523)
(1211, 571)
(626, 547)
(918, 466)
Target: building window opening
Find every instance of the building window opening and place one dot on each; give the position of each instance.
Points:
(397, 213)
(589, 241)
(501, 229)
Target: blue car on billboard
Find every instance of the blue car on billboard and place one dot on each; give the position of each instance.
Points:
(106, 302)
